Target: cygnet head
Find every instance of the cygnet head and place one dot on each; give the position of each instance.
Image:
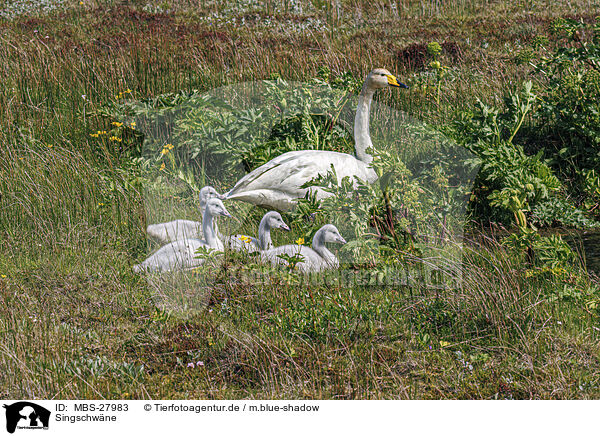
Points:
(329, 233)
(274, 221)
(208, 192)
(215, 207)
(381, 78)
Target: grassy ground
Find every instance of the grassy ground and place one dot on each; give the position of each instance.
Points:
(76, 323)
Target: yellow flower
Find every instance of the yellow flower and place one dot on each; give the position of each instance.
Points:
(300, 241)
(3, 276)
(166, 149)
(114, 138)
(94, 135)
(132, 124)
(49, 145)
(444, 344)
(81, 3)
(117, 124)
(162, 167)
(128, 91)
(245, 239)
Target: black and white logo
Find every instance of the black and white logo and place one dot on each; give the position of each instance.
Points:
(26, 415)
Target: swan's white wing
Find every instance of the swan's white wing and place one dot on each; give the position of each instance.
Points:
(278, 182)
(176, 255)
(311, 261)
(174, 230)
(248, 182)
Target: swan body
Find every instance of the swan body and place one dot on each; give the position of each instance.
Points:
(182, 229)
(174, 230)
(175, 255)
(278, 183)
(270, 220)
(315, 259)
(181, 254)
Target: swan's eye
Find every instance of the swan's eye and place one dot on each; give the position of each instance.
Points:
(382, 74)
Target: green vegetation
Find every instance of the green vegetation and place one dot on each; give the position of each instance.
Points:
(81, 81)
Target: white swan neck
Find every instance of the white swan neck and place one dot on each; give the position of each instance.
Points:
(264, 235)
(210, 235)
(215, 226)
(319, 246)
(362, 136)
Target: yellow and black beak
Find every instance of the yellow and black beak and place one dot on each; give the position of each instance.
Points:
(392, 81)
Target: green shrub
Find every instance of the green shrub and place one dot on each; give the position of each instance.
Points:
(512, 183)
(567, 123)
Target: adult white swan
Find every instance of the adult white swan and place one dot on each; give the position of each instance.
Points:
(271, 220)
(314, 259)
(183, 229)
(181, 254)
(278, 183)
